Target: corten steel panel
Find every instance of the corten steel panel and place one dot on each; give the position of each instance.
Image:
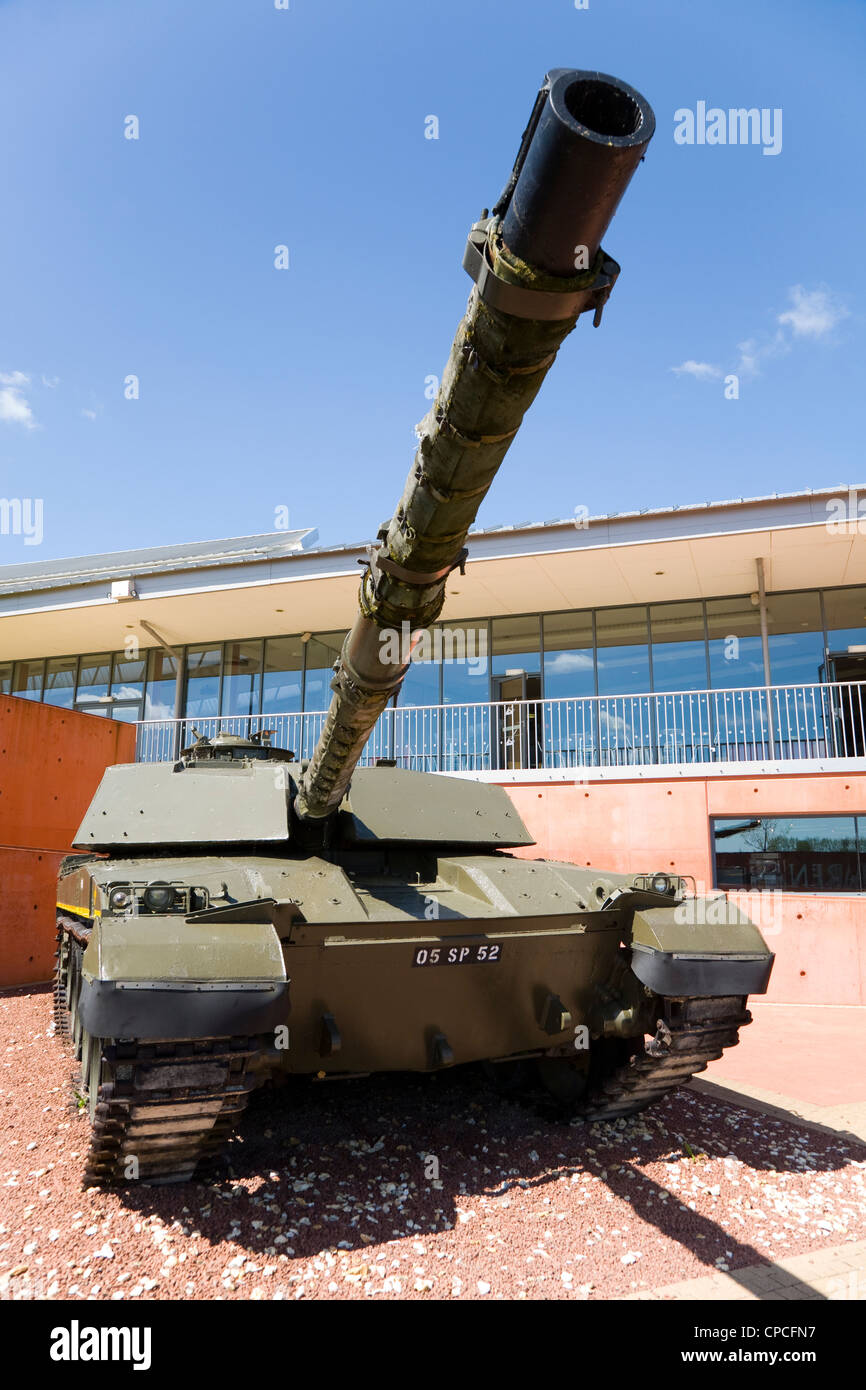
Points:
(633, 827)
(51, 761)
(27, 894)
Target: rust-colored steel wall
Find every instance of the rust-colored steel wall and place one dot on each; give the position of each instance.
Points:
(638, 826)
(51, 761)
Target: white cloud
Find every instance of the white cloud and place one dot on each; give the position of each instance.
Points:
(815, 312)
(50, 381)
(814, 315)
(751, 353)
(15, 379)
(565, 662)
(88, 414)
(701, 371)
(14, 409)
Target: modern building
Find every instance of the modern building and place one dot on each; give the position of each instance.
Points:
(710, 644)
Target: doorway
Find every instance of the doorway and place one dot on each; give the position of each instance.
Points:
(849, 732)
(518, 719)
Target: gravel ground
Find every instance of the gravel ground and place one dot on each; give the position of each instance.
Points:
(408, 1187)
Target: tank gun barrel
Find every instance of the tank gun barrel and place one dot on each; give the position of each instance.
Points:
(538, 264)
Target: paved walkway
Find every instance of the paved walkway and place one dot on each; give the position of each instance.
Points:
(798, 1062)
(813, 1053)
(836, 1273)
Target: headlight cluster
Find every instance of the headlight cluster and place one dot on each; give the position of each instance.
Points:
(671, 885)
(156, 898)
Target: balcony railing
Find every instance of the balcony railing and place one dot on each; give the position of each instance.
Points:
(699, 728)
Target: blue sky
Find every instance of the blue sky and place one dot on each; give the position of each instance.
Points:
(262, 388)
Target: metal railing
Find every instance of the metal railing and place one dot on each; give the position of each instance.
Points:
(781, 723)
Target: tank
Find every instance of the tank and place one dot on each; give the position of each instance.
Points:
(239, 916)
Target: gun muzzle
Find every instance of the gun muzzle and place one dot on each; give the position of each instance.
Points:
(586, 136)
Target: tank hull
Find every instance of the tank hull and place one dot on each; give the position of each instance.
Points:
(357, 966)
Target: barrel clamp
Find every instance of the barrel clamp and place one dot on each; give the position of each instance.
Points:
(378, 562)
(524, 303)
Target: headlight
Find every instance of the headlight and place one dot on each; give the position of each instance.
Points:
(159, 897)
(660, 883)
(120, 899)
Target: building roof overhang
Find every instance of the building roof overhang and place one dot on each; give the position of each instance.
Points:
(281, 583)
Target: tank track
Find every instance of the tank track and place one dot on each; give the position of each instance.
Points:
(691, 1033)
(166, 1107)
(160, 1108)
(61, 1013)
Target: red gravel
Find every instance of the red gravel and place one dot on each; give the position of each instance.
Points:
(327, 1196)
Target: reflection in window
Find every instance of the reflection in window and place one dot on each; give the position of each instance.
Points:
(203, 666)
(796, 638)
(243, 676)
(845, 616)
(625, 724)
(127, 683)
(27, 679)
(679, 648)
(94, 678)
(623, 651)
(281, 683)
(679, 658)
(161, 683)
(465, 662)
(570, 730)
(794, 854)
(322, 651)
(421, 685)
(6, 679)
(60, 681)
(569, 660)
(515, 647)
(736, 655)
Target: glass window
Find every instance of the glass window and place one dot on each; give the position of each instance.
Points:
(465, 662)
(281, 683)
(569, 658)
(127, 683)
(736, 655)
(6, 679)
(796, 638)
(27, 679)
(421, 684)
(243, 678)
(127, 676)
(161, 681)
(60, 681)
(845, 616)
(203, 666)
(679, 649)
(795, 854)
(515, 646)
(322, 651)
(94, 678)
(623, 651)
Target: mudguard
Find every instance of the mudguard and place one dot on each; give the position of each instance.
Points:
(176, 979)
(701, 947)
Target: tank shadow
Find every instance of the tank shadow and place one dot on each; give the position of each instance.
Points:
(351, 1167)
